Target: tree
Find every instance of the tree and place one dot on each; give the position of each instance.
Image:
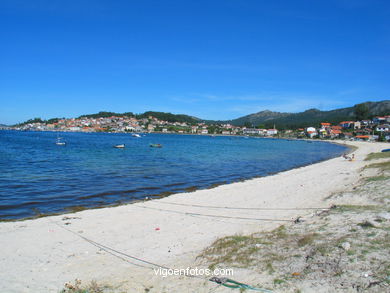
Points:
(260, 126)
(212, 129)
(35, 120)
(248, 124)
(51, 121)
(361, 111)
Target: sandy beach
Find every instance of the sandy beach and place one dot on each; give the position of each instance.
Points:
(41, 255)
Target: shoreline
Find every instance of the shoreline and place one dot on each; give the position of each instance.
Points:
(79, 208)
(48, 256)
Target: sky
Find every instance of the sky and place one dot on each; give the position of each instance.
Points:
(213, 59)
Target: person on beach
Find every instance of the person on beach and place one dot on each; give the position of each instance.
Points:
(352, 158)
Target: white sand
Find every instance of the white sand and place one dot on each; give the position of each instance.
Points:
(39, 256)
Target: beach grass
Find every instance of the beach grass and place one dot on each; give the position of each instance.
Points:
(78, 287)
(376, 156)
(383, 166)
(334, 247)
(377, 178)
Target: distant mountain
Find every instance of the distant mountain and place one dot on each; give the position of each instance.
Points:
(3, 126)
(259, 118)
(170, 117)
(104, 114)
(379, 108)
(266, 118)
(159, 115)
(313, 117)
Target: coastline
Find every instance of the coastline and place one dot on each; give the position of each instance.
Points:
(164, 193)
(159, 231)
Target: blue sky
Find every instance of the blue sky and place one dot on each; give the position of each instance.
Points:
(214, 59)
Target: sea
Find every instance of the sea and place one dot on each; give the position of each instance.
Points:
(38, 177)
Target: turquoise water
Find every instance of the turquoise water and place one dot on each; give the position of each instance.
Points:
(39, 177)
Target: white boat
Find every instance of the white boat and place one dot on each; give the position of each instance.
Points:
(136, 135)
(60, 142)
(119, 146)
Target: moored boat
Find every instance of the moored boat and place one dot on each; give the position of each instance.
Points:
(155, 145)
(60, 142)
(119, 146)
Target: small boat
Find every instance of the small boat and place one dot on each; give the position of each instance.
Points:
(119, 146)
(60, 142)
(155, 145)
(385, 150)
(136, 135)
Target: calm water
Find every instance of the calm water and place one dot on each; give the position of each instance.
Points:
(37, 176)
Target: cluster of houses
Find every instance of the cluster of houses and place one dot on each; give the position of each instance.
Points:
(376, 129)
(260, 132)
(84, 124)
(123, 124)
(131, 124)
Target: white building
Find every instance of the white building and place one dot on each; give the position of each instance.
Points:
(311, 132)
(271, 132)
(383, 128)
(254, 131)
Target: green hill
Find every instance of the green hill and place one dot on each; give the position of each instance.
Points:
(266, 118)
(313, 117)
(159, 115)
(170, 117)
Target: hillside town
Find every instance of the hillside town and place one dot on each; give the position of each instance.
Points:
(377, 128)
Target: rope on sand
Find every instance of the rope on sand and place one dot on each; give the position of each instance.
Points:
(229, 283)
(215, 216)
(245, 208)
(110, 250)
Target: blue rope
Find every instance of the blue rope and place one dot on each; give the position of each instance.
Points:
(229, 283)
